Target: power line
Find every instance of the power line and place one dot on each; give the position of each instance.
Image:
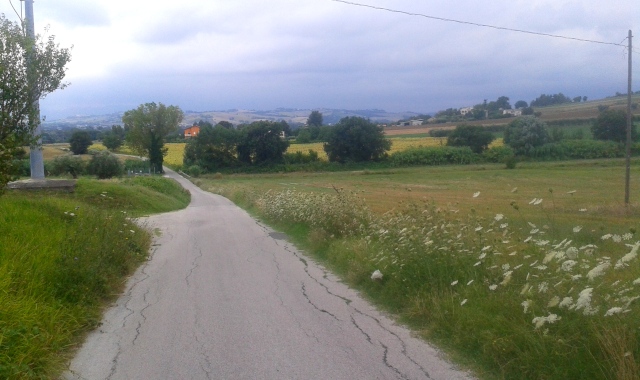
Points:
(14, 9)
(476, 24)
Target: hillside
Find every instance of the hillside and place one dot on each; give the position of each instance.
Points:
(569, 111)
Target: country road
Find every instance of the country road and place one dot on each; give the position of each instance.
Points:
(224, 297)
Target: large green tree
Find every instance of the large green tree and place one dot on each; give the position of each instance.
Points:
(79, 142)
(213, 148)
(474, 136)
(20, 87)
(261, 142)
(315, 119)
(611, 124)
(525, 133)
(146, 128)
(356, 139)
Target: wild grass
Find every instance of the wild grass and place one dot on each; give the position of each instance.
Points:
(538, 279)
(62, 257)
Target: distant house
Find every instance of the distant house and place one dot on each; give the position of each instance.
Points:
(416, 122)
(465, 110)
(191, 132)
(516, 112)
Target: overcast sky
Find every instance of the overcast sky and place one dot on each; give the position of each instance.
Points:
(205, 55)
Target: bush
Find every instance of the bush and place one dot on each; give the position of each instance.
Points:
(356, 139)
(440, 132)
(526, 133)
(498, 154)
(105, 165)
(475, 137)
(301, 158)
(612, 125)
(445, 155)
(194, 171)
(79, 142)
(62, 165)
(577, 150)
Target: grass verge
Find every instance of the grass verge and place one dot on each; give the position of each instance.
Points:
(62, 258)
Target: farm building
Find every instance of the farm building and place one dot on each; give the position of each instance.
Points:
(191, 131)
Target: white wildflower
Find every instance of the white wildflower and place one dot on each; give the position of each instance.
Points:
(526, 304)
(534, 231)
(616, 238)
(627, 236)
(482, 256)
(553, 302)
(504, 225)
(478, 263)
(572, 252)
(584, 299)
(568, 265)
(493, 287)
(577, 229)
(463, 302)
(479, 228)
(571, 192)
(583, 210)
(514, 189)
(537, 202)
(540, 321)
(613, 311)
(507, 278)
(598, 270)
(628, 257)
(606, 237)
(454, 283)
(506, 267)
(376, 275)
(543, 287)
(476, 194)
(566, 302)
(470, 282)
(498, 217)
(527, 239)
(636, 282)
(534, 200)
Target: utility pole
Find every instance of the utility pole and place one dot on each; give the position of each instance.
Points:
(629, 125)
(37, 162)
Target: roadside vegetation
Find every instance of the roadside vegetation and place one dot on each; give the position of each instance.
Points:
(63, 257)
(524, 274)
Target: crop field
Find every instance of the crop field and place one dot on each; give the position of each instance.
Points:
(527, 273)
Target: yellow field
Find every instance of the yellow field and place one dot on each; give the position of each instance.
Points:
(175, 153)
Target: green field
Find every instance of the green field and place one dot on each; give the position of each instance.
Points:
(529, 273)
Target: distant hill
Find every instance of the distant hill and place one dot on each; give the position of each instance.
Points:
(295, 117)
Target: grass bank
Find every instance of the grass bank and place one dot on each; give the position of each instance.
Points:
(62, 258)
(529, 273)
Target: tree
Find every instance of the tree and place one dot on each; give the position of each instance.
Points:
(114, 138)
(146, 128)
(356, 139)
(315, 119)
(611, 124)
(225, 124)
(521, 104)
(213, 148)
(79, 142)
(20, 87)
(475, 137)
(261, 143)
(525, 133)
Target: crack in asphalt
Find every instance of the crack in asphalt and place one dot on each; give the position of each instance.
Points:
(306, 296)
(385, 358)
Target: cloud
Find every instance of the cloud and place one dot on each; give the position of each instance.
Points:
(72, 13)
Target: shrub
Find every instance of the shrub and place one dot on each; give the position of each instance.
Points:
(445, 155)
(475, 137)
(498, 154)
(62, 165)
(612, 125)
(105, 165)
(526, 133)
(356, 139)
(194, 171)
(79, 142)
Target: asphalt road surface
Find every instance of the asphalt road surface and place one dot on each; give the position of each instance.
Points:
(224, 297)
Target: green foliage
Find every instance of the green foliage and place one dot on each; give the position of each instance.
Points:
(112, 141)
(440, 132)
(498, 154)
(549, 100)
(577, 150)
(105, 165)
(194, 171)
(62, 258)
(356, 139)
(475, 137)
(260, 143)
(19, 87)
(79, 142)
(301, 158)
(62, 165)
(315, 119)
(146, 128)
(611, 124)
(525, 133)
(431, 156)
(213, 148)
(521, 104)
